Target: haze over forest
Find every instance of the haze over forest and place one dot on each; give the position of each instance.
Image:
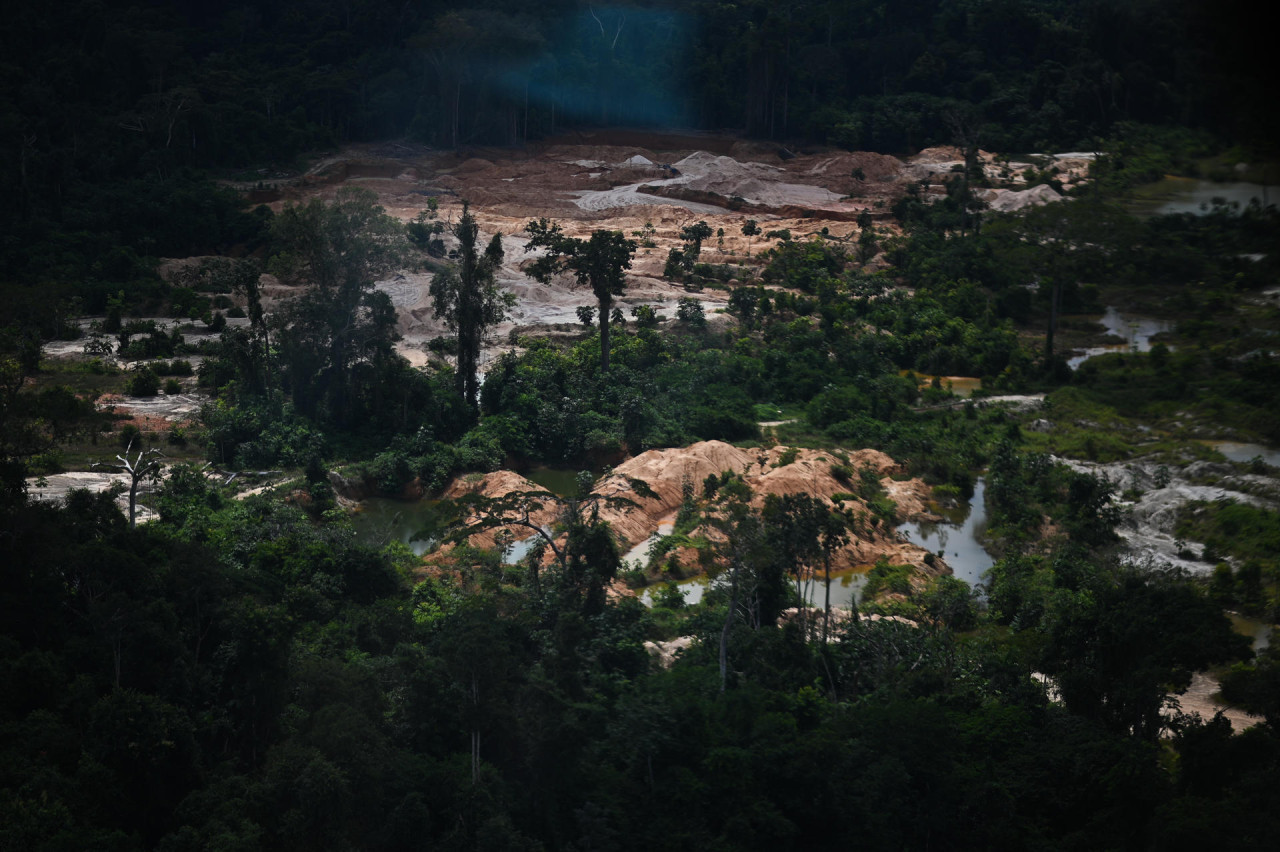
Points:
(661, 425)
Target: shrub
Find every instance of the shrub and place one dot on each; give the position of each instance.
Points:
(668, 595)
(390, 470)
(690, 310)
(895, 579)
(144, 383)
(675, 265)
(173, 368)
(646, 316)
(884, 507)
(788, 456)
(950, 602)
(130, 435)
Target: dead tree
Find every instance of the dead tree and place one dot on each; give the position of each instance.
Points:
(145, 467)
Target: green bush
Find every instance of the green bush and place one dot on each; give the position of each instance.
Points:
(390, 471)
(130, 435)
(144, 383)
(690, 310)
(886, 578)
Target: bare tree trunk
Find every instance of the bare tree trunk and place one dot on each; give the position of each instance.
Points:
(606, 305)
(146, 465)
(802, 611)
(724, 632)
(133, 500)
(826, 615)
(1054, 297)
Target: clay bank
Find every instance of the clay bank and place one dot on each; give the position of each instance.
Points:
(667, 473)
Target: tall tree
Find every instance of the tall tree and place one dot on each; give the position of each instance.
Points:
(833, 529)
(748, 565)
(146, 467)
(1063, 246)
(599, 263)
(1121, 650)
(694, 235)
(467, 297)
(794, 522)
(340, 322)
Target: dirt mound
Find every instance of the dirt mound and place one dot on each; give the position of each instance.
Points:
(473, 165)
(778, 470)
(1004, 200)
(499, 484)
(155, 413)
(938, 155)
(666, 652)
(840, 167)
(760, 152)
(756, 183)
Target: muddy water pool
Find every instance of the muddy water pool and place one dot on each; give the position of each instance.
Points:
(1257, 630)
(1238, 451)
(1134, 329)
(1189, 195)
(378, 521)
(957, 538)
(846, 586)
(562, 481)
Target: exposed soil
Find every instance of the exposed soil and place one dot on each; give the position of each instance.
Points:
(1199, 699)
(624, 180)
(618, 179)
(1147, 529)
(54, 488)
(763, 471)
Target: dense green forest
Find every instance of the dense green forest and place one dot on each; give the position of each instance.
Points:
(246, 671)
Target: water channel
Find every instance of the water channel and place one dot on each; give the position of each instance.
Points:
(378, 521)
(1134, 329)
(958, 538)
(1259, 631)
(1174, 195)
(846, 586)
(1239, 451)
